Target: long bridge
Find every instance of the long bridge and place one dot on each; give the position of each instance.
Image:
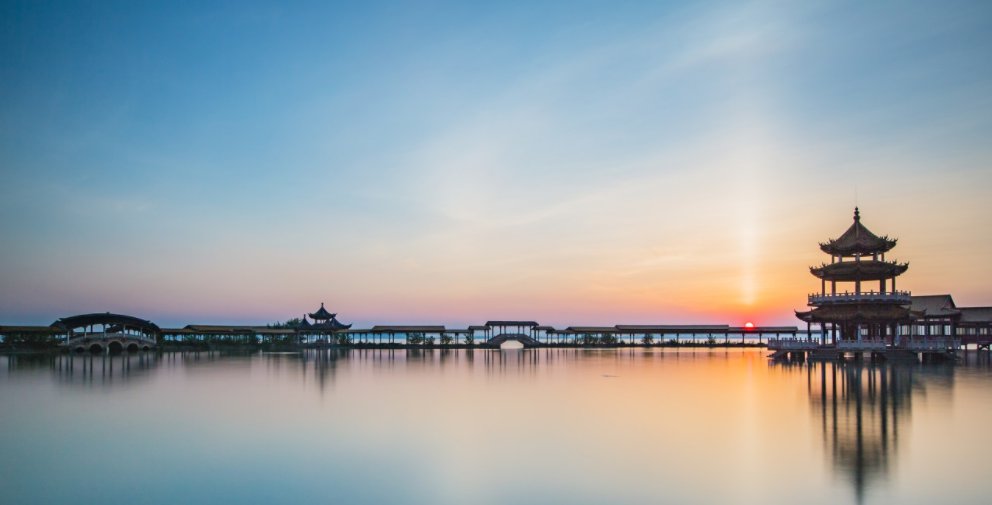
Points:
(107, 332)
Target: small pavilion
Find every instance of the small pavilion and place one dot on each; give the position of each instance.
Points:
(324, 323)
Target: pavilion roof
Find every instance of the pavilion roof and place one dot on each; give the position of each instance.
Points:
(865, 270)
(322, 314)
(856, 313)
(304, 323)
(477, 328)
(858, 240)
(934, 305)
(330, 324)
(106, 318)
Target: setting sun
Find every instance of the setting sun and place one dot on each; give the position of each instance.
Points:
(749, 325)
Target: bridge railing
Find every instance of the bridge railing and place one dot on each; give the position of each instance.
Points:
(931, 344)
(862, 345)
(102, 337)
(792, 344)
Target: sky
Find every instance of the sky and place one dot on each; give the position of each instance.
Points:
(569, 162)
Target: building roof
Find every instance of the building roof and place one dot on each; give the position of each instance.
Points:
(858, 240)
(408, 329)
(673, 328)
(976, 314)
(591, 329)
(865, 270)
(322, 314)
(219, 328)
(304, 323)
(106, 318)
(934, 306)
(544, 328)
(511, 323)
(5, 330)
(477, 328)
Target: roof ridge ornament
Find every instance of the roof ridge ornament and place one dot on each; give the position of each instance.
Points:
(857, 214)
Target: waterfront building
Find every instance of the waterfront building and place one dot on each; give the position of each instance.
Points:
(849, 306)
(937, 316)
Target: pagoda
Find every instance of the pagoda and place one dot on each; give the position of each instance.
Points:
(325, 321)
(858, 312)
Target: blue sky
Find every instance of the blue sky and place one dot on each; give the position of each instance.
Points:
(573, 162)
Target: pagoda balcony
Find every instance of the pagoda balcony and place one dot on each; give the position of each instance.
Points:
(902, 297)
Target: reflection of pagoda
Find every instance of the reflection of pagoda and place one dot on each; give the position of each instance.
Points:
(861, 410)
(859, 256)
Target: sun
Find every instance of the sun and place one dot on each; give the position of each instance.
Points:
(749, 325)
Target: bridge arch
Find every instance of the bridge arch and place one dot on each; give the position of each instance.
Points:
(513, 341)
(95, 348)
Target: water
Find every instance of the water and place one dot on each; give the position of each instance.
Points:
(522, 427)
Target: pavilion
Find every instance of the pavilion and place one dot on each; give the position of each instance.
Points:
(857, 257)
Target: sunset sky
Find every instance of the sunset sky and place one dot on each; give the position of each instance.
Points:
(570, 162)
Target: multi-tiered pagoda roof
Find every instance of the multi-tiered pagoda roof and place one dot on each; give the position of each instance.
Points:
(324, 320)
(857, 240)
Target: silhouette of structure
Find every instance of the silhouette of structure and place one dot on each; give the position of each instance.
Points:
(858, 257)
(885, 322)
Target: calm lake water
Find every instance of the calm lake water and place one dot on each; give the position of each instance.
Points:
(466, 427)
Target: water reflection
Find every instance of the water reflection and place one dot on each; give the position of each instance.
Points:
(450, 426)
(862, 408)
(88, 369)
